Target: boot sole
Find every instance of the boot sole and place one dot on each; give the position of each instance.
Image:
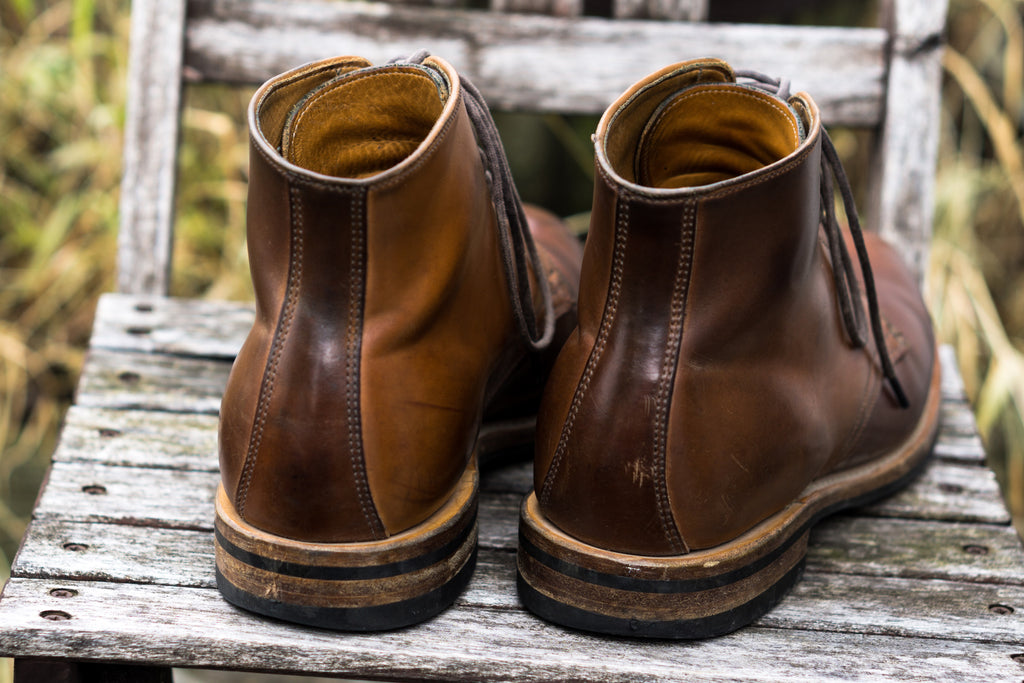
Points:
(365, 586)
(709, 592)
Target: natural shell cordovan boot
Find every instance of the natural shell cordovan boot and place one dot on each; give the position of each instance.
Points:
(401, 302)
(733, 377)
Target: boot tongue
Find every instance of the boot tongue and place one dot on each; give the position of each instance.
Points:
(709, 133)
(364, 122)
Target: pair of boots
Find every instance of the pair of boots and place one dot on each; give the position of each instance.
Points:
(726, 375)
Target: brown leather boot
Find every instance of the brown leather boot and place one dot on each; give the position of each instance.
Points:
(728, 384)
(394, 278)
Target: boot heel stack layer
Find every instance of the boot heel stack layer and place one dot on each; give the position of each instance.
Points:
(365, 586)
(708, 592)
(689, 596)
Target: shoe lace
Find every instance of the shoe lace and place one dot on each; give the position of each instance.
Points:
(843, 274)
(514, 237)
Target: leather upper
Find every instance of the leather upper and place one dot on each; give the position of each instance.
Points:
(710, 378)
(383, 325)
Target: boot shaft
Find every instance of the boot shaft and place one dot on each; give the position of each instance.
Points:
(708, 323)
(381, 308)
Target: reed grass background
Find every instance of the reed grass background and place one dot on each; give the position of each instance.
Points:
(62, 92)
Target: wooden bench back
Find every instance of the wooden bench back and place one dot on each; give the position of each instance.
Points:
(536, 56)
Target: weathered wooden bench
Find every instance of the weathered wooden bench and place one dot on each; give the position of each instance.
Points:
(115, 579)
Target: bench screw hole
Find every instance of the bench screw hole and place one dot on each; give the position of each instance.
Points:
(107, 433)
(951, 488)
(129, 377)
(76, 547)
(138, 331)
(976, 550)
(63, 592)
(55, 615)
(94, 490)
(144, 308)
(1000, 609)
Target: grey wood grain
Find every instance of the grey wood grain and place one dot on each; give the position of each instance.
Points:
(139, 438)
(88, 492)
(141, 381)
(195, 627)
(91, 492)
(958, 438)
(674, 10)
(95, 551)
(166, 325)
(820, 601)
(555, 8)
(151, 132)
(902, 607)
(917, 549)
(920, 550)
(671, 10)
(903, 170)
(534, 62)
(946, 491)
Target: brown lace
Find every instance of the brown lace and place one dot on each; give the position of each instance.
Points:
(843, 274)
(514, 237)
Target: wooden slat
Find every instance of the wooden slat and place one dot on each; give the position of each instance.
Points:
(555, 8)
(180, 499)
(952, 382)
(139, 438)
(86, 492)
(185, 327)
(671, 10)
(62, 549)
(188, 441)
(903, 174)
(665, 10)
(947, 491)
(150, 146)
(916, 550)
(184, 499)
(903, 607)
(152, 382)
(821, 601)
(533, 62)
(195, 627)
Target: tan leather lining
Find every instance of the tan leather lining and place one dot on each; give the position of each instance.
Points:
(625, 126)
(275, 105)
(362, 124)
(710, 133)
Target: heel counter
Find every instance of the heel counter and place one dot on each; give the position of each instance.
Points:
(303, 474)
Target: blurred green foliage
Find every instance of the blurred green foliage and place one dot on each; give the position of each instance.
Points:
(62, 94)
(976, 279)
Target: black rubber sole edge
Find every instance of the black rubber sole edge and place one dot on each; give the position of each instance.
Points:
(384, 617)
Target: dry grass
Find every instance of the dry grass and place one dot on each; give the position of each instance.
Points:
(61, 92)
(976, 279)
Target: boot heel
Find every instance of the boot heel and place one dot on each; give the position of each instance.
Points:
(681, 597)
(366, 586)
